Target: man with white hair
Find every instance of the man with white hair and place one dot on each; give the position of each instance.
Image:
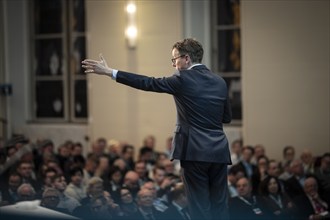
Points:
(26, 192)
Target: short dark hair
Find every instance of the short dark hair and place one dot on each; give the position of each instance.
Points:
(75, 170)
(191, 47)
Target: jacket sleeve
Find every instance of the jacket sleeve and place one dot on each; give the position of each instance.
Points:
(162, 85)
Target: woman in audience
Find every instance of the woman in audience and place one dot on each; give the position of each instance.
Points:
(275, 201)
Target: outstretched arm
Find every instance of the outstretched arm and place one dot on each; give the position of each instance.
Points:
(98, 67)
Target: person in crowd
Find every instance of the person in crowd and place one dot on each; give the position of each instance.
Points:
(64, 159)
(261, 172)
(161, 204)
(26, 192)
(246, 205)
(102, 168)
(177, 208)
(9, 191)
(170, 168)
(127, 204)
(236, 148)
(121, 163)
(259, 151)
(146, 155)
(26, 170)
(150, 142)
(76, 187)
(162, 181)
(140, 168)
(114, 182)
(288, 156)
(274, 200)
(58, 182)
(77, 149)
(95, 191)
(146, 210)
(131, 181)
(98, 147)
(89, 168)
(274, 170)
(323, 176)
(294, 186)
(245, 164)
(114, 149)
(311, 205)
(234, 174)
(50, 199)
(127, 155)
(285, 171)
(307, 160)
(49, 173)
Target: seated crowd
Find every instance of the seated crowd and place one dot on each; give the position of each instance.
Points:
(109, 183)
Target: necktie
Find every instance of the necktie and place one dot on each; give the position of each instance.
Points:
(319, 208)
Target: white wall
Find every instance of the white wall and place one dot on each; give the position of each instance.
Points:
(286, 75)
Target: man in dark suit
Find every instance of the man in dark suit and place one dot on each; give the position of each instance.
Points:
(178, 202)
(200, 143)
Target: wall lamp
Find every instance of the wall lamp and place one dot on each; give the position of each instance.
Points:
(131, 29)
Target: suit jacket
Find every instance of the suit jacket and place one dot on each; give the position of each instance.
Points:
(239, 210)
(293, 187)
(305, 207)
(202, 104)
(173, 214)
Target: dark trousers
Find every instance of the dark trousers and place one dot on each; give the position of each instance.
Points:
(206, 188)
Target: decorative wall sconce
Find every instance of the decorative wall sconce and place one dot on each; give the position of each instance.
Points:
(131, 29)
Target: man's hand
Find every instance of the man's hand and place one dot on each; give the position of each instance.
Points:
(98, 67)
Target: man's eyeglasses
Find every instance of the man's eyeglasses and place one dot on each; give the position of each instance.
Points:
(175, 58)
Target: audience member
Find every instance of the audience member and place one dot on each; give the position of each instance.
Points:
(259, 151)
(323, 176)
(127, 205)
(76, 187)
(288, 156)
(260, 173)
(127, 155)
(89, 168)
(58, 182)
(233, 175)
(9, 191)
(146, 210)
(236, 151)
(25, 169)
(294, 185)
(131, 181)
(114, 182)
(140, 168)
(177, 208)
(274, 200)
(50, 199)
(160, 204)
(26, 192)
(245, 164)
(307, 160)
(246, 205)
(310, 204)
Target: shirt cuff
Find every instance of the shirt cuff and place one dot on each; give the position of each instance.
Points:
(114, 74)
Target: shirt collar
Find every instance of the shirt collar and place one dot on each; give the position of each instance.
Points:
(196, 64)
